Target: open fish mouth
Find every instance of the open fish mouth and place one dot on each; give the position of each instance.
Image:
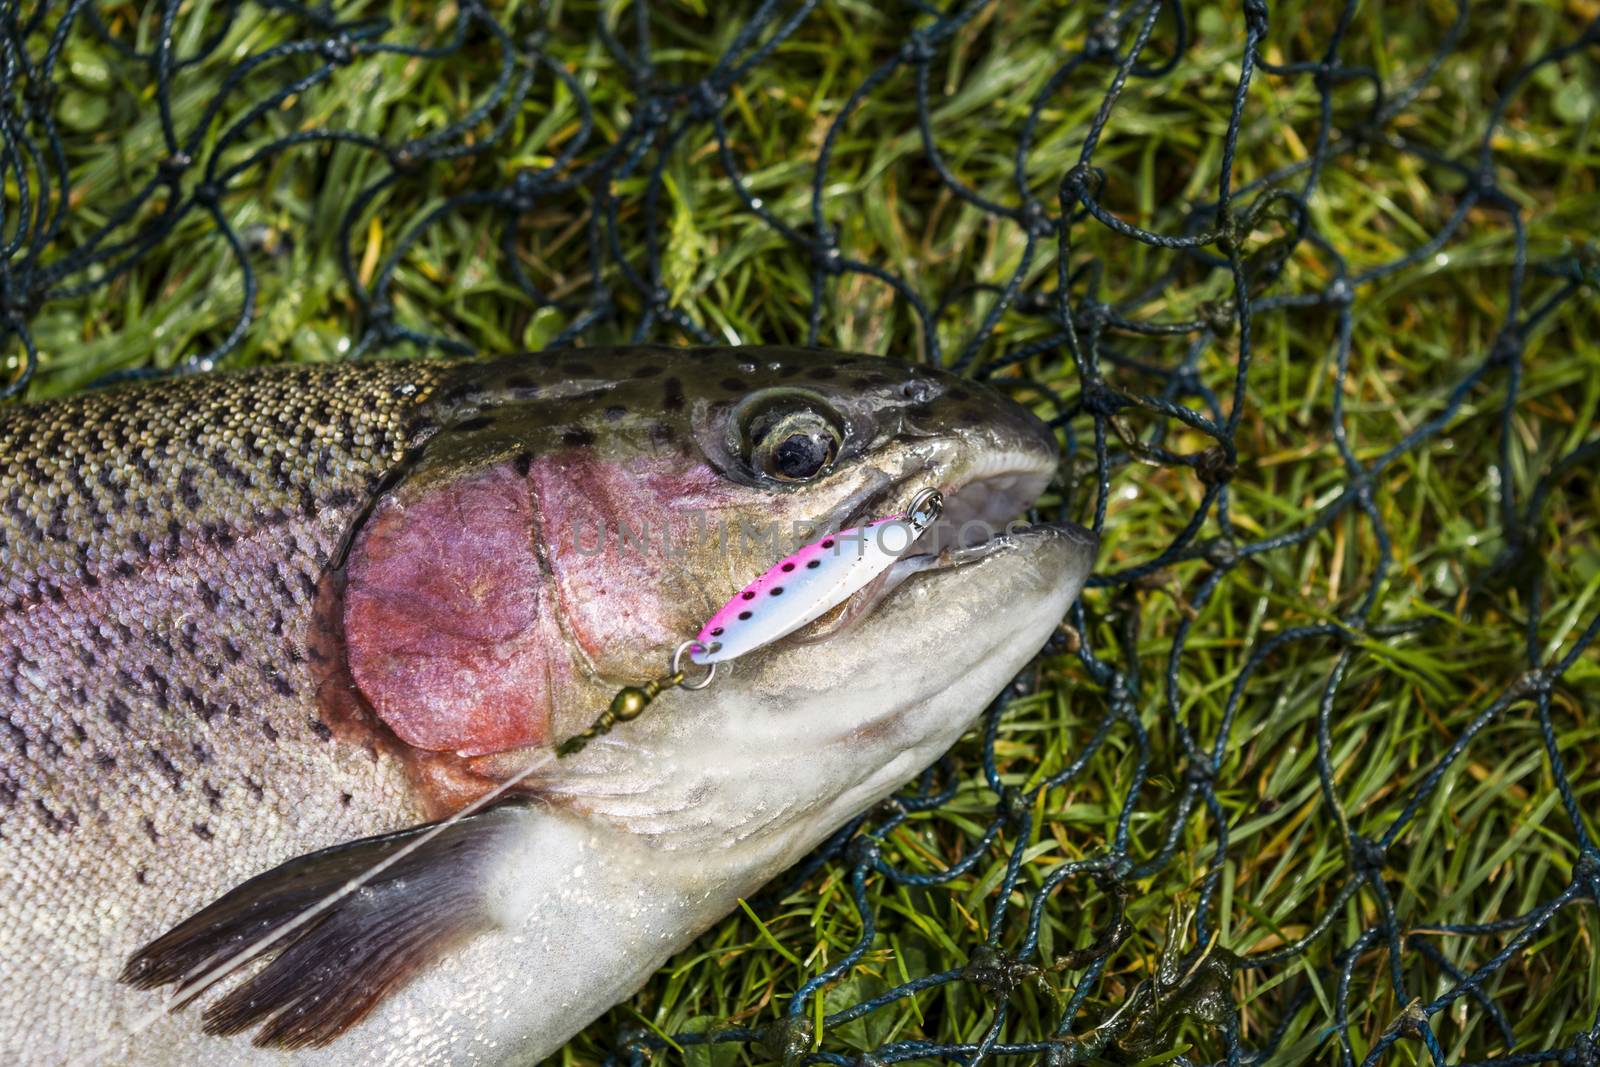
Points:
(982, 502)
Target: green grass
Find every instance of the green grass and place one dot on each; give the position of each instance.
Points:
(1490, 842)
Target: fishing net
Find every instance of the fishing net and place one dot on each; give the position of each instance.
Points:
(1272, 792)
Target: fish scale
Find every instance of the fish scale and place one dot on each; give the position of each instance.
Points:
(147, 535)
(257, 619)
(100, 466)
(160, 549)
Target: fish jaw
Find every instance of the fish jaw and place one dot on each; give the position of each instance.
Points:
(795, 740)
(657, 830)
(611, 879)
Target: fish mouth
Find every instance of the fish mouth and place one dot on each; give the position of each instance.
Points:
(983, 488)
(984, 491)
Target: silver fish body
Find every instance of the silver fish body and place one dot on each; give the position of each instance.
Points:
(427, 625)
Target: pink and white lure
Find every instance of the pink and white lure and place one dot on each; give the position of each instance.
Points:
(802, 587)
(797, 590)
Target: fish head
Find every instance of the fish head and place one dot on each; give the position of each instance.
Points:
(573, 521)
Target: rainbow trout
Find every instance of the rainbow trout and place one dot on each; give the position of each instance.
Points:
(259, 628)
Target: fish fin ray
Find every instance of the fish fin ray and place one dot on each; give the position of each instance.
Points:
(329, 973)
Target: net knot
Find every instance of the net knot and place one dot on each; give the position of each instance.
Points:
(19, 293)
(1214, 466)
(1485, 182)
(1232, 231)
(1068, 1051)
(1507, 348)
(381, 324)
(526, 189)
(1121, 697)
(1413, 1019)
(634, 1042)
(1016, 806)
(863, 851)
(997, 971)
(654, 112)
(39, 95)
(1584, 266)
(1533, 681)
(406, 157)
(706, 101)
(1082, 182)
(341, 51)
(171, 169)
(1367, 857)
(1186, 381)
(1103, 401)
(1587, 869)
(1091, 316)
(1036, 219)
(917, 49)
(208, 193)
(890, 808)
(787, 1040)
(1199, 774)
(1255, 16)
(1104, 40)
(1584, 1052)
(1221, 553)
(1340, 293)
(825, 252)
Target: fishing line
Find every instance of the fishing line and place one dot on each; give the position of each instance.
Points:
(793, 592)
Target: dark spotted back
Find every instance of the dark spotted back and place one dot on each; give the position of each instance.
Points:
(160, 549)
(105, 485)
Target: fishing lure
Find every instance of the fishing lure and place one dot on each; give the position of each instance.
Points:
(796, 590)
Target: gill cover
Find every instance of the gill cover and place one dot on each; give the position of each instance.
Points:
(448, 626)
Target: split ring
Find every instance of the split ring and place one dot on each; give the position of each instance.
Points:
(677, 664)
(930, 503)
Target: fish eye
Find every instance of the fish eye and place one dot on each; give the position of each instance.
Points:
(792, 439)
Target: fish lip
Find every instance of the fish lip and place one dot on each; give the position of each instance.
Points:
(983, 490)
(988, 477)
(988, 481)
(1016, 533)
(1018, 536)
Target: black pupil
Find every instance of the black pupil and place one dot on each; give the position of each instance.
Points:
(800, 455)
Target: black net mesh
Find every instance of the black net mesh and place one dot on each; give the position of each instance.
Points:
(1150, 342)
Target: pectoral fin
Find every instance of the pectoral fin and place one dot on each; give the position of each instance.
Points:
(332, 970)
